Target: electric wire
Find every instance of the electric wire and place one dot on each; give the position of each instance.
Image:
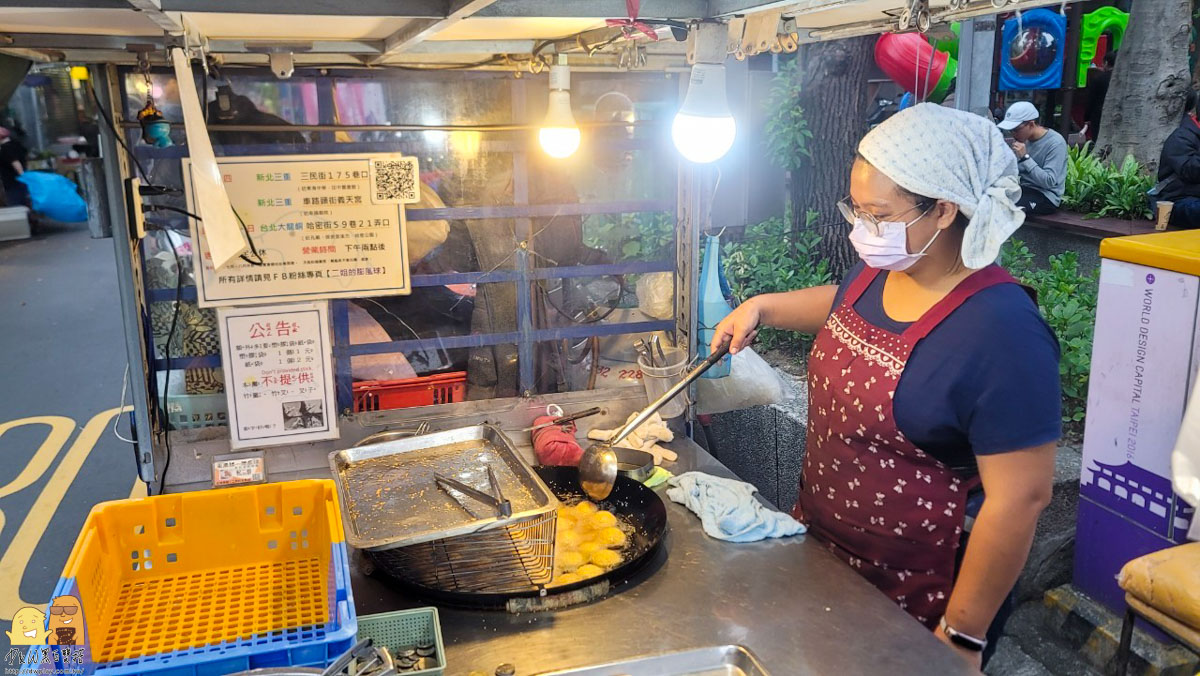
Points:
(166, 393)
(116, 134)
(121, 407)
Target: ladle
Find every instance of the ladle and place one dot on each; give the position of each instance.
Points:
(598, 466)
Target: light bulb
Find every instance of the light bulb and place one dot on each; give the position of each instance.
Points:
(704, 129)
(559, 134)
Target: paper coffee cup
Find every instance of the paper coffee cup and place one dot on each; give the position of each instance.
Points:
(1164, 214)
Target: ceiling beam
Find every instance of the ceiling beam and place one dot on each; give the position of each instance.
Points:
(419, 30)
(721, 8)
(66, 4)
(417, 9)
(154, 11)
(597, 9)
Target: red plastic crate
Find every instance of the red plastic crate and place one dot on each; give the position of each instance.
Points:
(384, 395)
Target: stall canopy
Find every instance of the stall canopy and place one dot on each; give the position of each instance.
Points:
(383, 32)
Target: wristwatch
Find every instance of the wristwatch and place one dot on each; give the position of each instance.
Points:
(1025, 157)
(962, 640)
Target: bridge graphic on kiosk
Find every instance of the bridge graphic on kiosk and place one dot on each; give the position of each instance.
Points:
(1141, 495)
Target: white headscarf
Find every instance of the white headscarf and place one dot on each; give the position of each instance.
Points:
(955, 156)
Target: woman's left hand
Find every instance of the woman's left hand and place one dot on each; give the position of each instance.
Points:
(973, 657)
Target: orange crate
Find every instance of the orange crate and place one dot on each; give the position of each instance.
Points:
(167, 575)
(384, 395)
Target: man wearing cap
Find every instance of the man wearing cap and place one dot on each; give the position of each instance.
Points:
(1041, 159)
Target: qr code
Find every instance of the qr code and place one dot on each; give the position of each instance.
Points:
(395, 181)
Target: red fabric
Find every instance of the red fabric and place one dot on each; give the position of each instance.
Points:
(556, 445)
(879, 503)
(905, 57)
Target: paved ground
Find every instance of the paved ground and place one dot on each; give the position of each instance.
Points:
(62, 358)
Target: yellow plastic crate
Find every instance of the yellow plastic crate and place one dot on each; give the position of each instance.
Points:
(171, 573)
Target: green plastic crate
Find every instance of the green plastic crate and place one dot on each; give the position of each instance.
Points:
(401, 629)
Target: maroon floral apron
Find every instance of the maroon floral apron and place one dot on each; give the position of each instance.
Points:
(886, 508)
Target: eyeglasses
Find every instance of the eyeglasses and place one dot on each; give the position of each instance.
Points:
(64, 610)
(875, 225)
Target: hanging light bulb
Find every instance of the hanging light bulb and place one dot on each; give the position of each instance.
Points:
(704, 129)
(559, 134)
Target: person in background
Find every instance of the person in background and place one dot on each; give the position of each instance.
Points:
(12, 164)
(1179, 168)
(1041, 159)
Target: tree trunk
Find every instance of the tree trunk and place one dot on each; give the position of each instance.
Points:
(1145, 97)
(833, 96)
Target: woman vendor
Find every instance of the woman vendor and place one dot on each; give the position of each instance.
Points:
(932, 382)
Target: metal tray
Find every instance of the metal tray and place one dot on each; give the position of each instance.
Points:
(723, 660)
(389, 498)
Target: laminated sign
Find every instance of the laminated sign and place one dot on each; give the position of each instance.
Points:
(325, 226)
(278, 374)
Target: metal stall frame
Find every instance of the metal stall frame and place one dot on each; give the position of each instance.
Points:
(193, 449)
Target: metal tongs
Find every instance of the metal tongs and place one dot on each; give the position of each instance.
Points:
(362, 659)
(495, 499)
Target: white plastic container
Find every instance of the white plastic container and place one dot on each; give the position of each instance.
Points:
(14, 223)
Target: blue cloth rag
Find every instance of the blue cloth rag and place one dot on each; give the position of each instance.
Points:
(728, 510)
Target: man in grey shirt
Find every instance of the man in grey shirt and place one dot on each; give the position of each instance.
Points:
(1041, 159)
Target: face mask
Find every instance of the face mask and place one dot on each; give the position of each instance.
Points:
(889, 249)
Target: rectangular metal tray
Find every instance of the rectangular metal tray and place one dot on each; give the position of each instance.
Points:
(389, 498)
(722, 660)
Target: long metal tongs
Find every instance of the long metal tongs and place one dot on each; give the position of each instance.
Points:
(495, 500)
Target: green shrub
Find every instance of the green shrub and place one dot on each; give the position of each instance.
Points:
(1098, 189)
(771, 259)
(786, 129)
(632, 237)
(1067, 298)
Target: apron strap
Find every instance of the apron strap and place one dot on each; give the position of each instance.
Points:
(859, 285)
(978, 281)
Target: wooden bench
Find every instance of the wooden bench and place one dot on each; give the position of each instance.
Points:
(1097, 228)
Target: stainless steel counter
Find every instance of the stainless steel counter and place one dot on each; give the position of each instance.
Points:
(797, 607)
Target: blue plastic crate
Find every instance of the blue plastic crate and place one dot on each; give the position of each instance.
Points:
(308, 646)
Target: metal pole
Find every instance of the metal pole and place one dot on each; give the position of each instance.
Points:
(129, 278)
(524, 229)
(976, 55)
(95, 190)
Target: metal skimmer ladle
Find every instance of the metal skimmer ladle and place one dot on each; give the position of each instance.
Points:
(598, 466)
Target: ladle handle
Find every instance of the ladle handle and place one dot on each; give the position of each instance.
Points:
(669, 394)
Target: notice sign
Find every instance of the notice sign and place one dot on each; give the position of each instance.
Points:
(326, 226)
(278, 374)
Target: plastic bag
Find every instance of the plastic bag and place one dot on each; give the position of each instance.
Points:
(54, 196)
(751, 382)
(656, 294)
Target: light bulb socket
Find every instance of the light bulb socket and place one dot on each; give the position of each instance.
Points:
(706, 92)
(560, 77)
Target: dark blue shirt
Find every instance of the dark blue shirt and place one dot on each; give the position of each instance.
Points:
(983, 381)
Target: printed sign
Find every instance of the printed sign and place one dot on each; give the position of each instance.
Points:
(1140, 373)
(235, 470)
(325, 226)
(278, 374)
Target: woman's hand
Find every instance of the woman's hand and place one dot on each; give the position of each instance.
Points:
(739, 327)
(973, 657)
